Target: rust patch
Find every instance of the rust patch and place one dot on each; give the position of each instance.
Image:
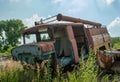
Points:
(73, 42)
(46, 46)
(103, 60)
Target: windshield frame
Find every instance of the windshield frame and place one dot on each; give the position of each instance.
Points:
(38, 37)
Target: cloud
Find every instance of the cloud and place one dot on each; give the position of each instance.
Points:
(30, 21)
(72, 7)
(114, 27)
(108, 2)
(114, 23)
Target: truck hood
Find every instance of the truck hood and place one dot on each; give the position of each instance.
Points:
(44, 46)
(33, 48)
(29, 52)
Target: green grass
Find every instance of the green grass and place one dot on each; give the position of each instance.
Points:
(87, 72)
(115, 42)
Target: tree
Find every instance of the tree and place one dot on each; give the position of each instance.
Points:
(2, 25)
(10, 32)
(44, 37)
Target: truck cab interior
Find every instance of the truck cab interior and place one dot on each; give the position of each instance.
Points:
(81, 40)
(63, 46)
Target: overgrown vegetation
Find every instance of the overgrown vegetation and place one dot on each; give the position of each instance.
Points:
(115, 42)
(6, 52)
(87, 72)
(87, 69)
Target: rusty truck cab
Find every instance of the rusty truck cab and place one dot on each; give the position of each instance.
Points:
(68, 40)
(73, 39)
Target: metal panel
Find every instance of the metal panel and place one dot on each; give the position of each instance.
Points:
(103, 60)
(94, 31)
(73, 42)
(97, 36)
(90, 42)
(97, 39)
(106, 37)
(46, 46)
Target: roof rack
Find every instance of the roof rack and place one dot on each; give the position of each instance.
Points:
(47, 20)
(61, 17)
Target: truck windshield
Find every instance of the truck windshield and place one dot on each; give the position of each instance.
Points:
(43, 34)
(29, 38)
(45, 37)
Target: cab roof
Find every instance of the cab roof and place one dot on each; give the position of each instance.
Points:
(37, 27)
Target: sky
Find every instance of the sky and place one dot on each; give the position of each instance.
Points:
(106, 12)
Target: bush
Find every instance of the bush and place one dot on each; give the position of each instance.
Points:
(6, 52)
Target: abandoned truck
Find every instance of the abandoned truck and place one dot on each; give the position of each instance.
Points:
(66, 41)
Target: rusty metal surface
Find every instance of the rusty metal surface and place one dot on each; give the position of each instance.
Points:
(109, 59)
(59, 25)
(73, 42)
(116, 65)
(46, 46)
(106, 37)
(103, 60)
(76, 20)
(97, 36)
(97, 39)
(89, 38)
(94, 31)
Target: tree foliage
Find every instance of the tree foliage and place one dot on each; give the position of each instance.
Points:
(115, 42)
(10, 32)
(44, 37)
